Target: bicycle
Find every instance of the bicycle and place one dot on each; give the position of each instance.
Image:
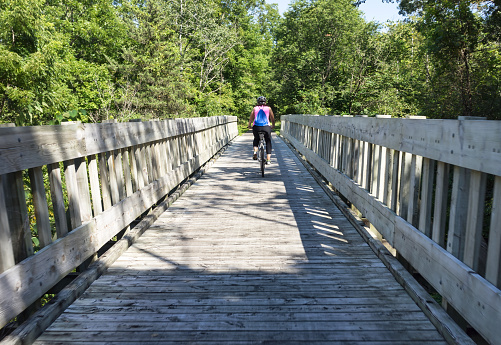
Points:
(260, 152)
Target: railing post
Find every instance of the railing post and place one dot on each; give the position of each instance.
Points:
(6, 244)
(15, 234)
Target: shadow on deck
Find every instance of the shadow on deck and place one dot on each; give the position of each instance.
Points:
(243, 259)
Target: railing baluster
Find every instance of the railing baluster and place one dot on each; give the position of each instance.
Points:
(40, 204)
(149, 164)
(104, 173)
(163, 157)
(73, 197)
(393, 202)
(405, 181)
(112, 173)
(94, 185)
(376, 179)
(119, 170)
(367, 166)
(493, 266)
(127, 172)
(83, 189)
(134, 168)
(458, 212)
(360, 162)
(474, 219)
(413, 188)
(440, 210)
(426, 196)
(337, 155)
(143, 166)
(56, 188)
(386, 172)
(155, 161)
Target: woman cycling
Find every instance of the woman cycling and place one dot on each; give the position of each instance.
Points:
(262, 120)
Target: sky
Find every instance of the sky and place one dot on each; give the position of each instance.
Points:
(376, 10)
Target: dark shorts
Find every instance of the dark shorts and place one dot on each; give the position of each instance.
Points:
(267, 136)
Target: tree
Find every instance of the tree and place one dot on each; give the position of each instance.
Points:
(148, 78)
(45, 72)
(315, 55)
(32, 71)
(457, 36)
(248, 70)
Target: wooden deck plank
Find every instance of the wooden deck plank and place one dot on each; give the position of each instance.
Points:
(250, 337)
(357, 311)
(251, 316)
(103, 324)
(243, 259)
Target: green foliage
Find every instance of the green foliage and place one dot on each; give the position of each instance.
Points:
(323, 53)
(248, 70)
(90, 60)
(442, 63)
(79, 115)
(150, 82)
(461, 50)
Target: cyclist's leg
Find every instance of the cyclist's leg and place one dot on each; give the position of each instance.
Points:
(255, 142)
(267, 138)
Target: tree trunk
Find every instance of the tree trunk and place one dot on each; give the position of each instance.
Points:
(466, 83)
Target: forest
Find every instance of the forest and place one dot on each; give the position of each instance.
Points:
(95, 60)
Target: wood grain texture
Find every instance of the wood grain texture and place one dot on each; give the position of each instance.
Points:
(493, 270)
(73, 197)
(40, 204)
(83, 189)
(474, 220)
(29, 147)
(34, 146)
(440, 209)
(426, 196)
(6, 249)
(22, 284)
(97, 205)
(245, 259)
(15, 199)
(464, 288)
(458, 212)
(474, 297)
(456, 142)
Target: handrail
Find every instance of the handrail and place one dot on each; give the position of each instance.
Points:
(87, 183)
(422, 184)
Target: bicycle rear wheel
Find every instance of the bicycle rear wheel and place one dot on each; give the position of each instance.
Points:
(262, 159)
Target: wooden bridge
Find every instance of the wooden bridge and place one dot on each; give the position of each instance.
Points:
(243, 259)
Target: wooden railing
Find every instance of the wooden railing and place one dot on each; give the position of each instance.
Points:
(431, 188)
(66, 191)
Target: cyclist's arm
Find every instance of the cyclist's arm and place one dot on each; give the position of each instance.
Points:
(251, 118)
(272, 119)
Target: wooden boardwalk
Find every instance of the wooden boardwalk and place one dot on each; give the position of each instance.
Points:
(241, 259)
